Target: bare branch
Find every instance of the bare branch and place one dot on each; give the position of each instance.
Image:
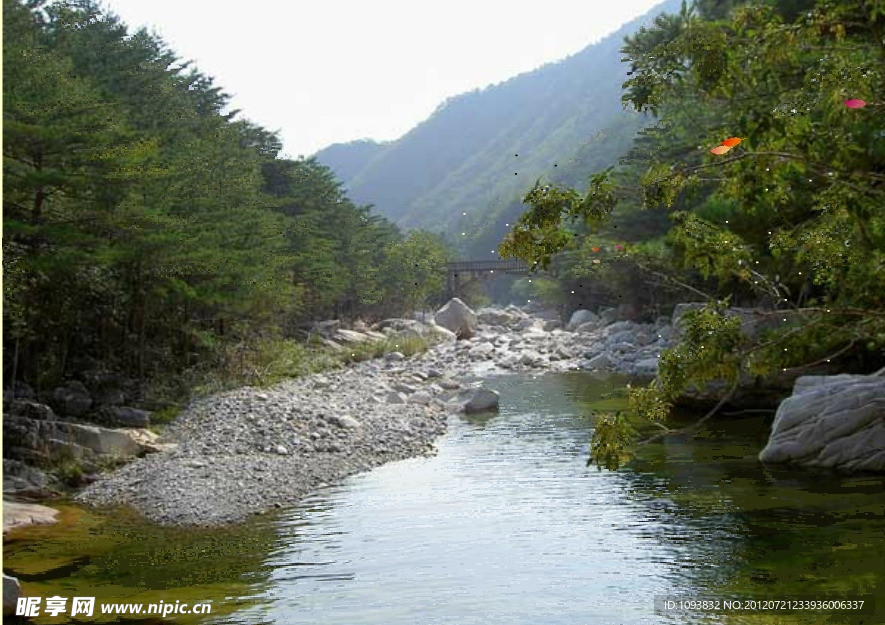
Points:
(825, 359)
(673, 280)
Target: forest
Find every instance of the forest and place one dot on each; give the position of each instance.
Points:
(151, 231)
(788, 221)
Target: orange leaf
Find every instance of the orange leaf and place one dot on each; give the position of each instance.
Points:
(595, 249)
(732, 141)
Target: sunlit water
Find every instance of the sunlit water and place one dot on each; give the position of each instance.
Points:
(507, 524)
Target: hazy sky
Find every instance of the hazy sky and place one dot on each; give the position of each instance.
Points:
(327, 71)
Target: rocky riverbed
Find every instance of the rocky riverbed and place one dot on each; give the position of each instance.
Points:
(512, 339)
(251, 450)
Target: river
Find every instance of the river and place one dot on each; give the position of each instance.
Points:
(506, 524)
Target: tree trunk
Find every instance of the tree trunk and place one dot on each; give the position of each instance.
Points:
(15, 365)
(40, 193)
(141, 331)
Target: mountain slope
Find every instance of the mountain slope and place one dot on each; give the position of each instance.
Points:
(481, 150)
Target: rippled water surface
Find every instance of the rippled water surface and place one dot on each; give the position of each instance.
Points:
(507, 524)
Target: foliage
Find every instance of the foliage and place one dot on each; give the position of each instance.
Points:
(789, 221)
(149, 231)
(611, 440)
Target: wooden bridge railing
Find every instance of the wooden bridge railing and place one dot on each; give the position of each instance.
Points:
(510, 265)
(461, 271)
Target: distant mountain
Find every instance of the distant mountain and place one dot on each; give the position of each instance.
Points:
(349, 159)
(479, 152)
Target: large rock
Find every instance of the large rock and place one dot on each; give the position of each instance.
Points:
(72, 399)
(457, 317)
(112, 397)
(349, 337)
(438, 333)
(20, 390)
(17, 514)
(20, 479)
(405, 328)
(124, 416)
(602, 361)
(590, 326)
(831, 421)
(35, 440)
(481, 351)
(496, 317)
(582, 317)
(398, 325)
(479, 400)
(646, 367)
(624, 336)
(148, 442)
(607, 316)
(12, 590)
(103, 441)
(531, 358)
(28, 409)
(421, 397)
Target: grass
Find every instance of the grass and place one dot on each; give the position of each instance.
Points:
(268, 361)
(408, 345)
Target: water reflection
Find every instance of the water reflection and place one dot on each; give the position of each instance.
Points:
(118, 557)
(507, 525)
(769, 532)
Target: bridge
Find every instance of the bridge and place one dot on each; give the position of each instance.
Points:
(461, 271)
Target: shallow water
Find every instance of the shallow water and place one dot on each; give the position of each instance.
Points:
(506, 524)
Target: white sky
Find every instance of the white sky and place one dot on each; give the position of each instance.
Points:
(328, 71)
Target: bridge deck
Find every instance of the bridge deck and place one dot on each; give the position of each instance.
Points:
(477, 266)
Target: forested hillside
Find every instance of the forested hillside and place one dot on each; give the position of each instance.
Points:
(481, 151)
(147, 230)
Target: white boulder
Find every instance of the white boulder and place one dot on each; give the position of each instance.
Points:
(833, 422)
(457, 317)
(581, 317)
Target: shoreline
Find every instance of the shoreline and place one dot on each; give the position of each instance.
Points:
(248, 451)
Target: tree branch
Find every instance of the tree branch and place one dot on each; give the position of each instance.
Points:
(715, 409)
(674, 281)
(825, 359)
(693, 428)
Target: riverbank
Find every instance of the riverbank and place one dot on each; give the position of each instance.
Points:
(251, 450)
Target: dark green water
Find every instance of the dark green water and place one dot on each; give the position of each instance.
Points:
(506, 525)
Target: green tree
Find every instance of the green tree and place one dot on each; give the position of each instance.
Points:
(791, 217)
(415, 271)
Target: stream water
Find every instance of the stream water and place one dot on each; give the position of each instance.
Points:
(506, 524)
